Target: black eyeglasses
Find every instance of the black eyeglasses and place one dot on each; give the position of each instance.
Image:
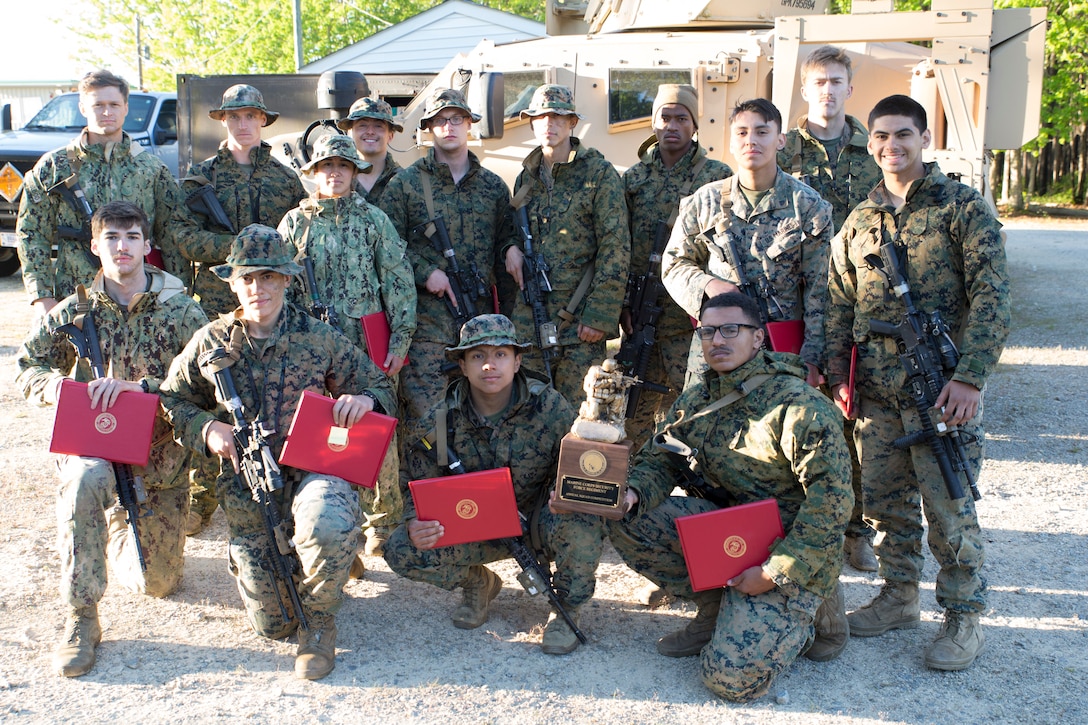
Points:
(451, 120)
(727, 331)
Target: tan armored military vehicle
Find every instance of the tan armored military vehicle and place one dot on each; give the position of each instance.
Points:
(977, 70)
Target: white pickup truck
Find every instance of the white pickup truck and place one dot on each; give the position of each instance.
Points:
(151, 122)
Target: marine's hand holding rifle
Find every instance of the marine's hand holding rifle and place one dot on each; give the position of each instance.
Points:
(461, 287)
(642, 304)
(929, 357)
(320, 310)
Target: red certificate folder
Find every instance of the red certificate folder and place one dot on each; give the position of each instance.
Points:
(851, 401)
(316, 444)
(787, 336)
(122, 434)
(471, 507)
(376, 333)
(720, 544)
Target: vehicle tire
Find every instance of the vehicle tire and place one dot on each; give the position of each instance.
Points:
(9, 262)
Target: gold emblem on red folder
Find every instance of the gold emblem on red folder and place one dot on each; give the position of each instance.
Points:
(467, 509)
(735, 546)
(105, 423)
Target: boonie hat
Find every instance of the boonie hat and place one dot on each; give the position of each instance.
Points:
(369, 108)
(494, 330)
(336, 145)
(550, 98)
(243, 96)
(446, 98)
(258, 247)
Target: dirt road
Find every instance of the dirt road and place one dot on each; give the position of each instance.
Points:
(191, 657)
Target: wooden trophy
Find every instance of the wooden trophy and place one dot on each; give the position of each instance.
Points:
(593, 458)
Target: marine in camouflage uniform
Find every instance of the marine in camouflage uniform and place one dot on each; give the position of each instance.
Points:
(138, 339)
(780, 439)
(373, 144)
(475, 205)
(843, 172)
(952, 251)
(578, 220)
(522, 435)
(107, 167)
(281, 352)
(653, 188)
(360, 268)
(782, 231)
(251, 186)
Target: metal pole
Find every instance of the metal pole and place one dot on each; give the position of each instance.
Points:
(139, 55)
(298, 34)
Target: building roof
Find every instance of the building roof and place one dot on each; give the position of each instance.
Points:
(426, 42)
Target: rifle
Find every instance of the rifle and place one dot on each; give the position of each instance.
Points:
(759, 289)
(535, 274)
(691, 480)
(465, 284)
(642, 298)
(927, 353)
(261, 474)
(534, 577)
(204, 202)
(318, 309)
(131, 494)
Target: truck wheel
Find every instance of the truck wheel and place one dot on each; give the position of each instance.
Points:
(9, 262)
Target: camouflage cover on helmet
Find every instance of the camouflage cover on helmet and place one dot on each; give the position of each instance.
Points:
(243, 96)
(369, 108)
(333, 146)
(496, 330)
(255, 248)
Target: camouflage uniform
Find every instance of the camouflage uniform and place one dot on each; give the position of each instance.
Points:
(526, 440)
(391, 169)
(477, 214)
(577, 217)
(106, 172)
(781, 441)
(844, 184)
(953, 252)
(653, 193)
(360, 268)
(379, 110)
(270, 375)
(138, 343)
(258, 194)
(786, 237)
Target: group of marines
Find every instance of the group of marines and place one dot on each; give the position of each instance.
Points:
(816, 430)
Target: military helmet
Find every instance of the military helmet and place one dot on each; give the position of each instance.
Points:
(336, 145)
(446, 98)
(369, 108)
(550, 98)
(243, 96)
(256, 248)
(494, 330)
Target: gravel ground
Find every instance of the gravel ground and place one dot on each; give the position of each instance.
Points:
(192, 658)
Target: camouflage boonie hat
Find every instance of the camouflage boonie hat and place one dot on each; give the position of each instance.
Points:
(369, 108)
(494, 330)
(446, 98)
(550, 98)
(333, 146)
(243, 96)
(258, 247)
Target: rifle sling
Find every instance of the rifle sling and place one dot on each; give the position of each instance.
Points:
(741, 391)
(428, 199)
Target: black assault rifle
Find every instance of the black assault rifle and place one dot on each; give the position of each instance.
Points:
(261, 474)
(204, 202)
(72, 193)
(467, 285)
(131, 494)
(534, 576)
(927, 354)
(318, 309)
(643, 298)
(535, 275)
(759, 289)
(691, 480)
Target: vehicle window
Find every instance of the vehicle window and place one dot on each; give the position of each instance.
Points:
(518, 87)
(168, 119)
(631, 92)
(139, 113)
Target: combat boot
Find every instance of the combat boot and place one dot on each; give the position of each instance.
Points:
(692, 638)
(358, 568)
(75, 653)
(559, 638)
(654, 597)
(479, 588)
(859, 553)
(896, 607)
(375, 541)
(832, 629)
(316, 655)
(958, 644)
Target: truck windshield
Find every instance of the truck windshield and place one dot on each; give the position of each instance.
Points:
(62, 114)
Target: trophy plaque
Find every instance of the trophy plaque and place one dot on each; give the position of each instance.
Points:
(593, 457)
